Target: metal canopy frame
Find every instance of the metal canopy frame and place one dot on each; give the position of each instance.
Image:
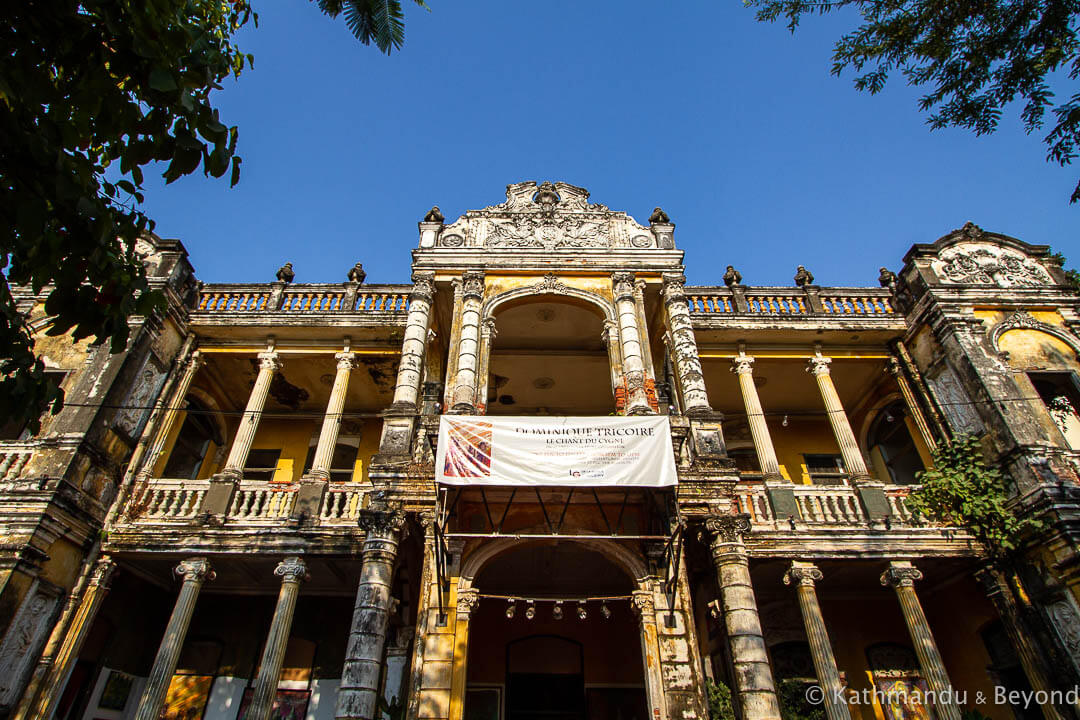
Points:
(446, 510)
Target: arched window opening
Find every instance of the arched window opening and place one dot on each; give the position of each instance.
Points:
(343, 462)
(892, 447)
(192, 443)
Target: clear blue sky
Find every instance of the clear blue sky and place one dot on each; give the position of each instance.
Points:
(761, 157)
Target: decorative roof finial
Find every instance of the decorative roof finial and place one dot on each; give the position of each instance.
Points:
(357, 274)
(887, 279)
(434, 215)
(658, 216)
(803, 277)
(732, 276)
(285, 273)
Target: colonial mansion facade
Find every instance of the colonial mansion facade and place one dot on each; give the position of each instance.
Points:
(548, 480)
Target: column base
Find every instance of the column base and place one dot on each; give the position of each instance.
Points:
(463, 408)
(782, 499)
(219, 497)
(872, 497)
(309, 498)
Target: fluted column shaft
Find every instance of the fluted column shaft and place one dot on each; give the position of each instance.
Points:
(324, 451)
(684, 349)
(902, 575)
(743, 367)
(487, 341)
(195, 571)
(913, 408)
(838, 419)
(754, 683)
(472, 295)
(645, 608)
(643, 323)
(637, 399)
(803, 575)
(359, 690)
(269, 363)
(411, 367)
(171, 411)
(292, 571)
(467, 600)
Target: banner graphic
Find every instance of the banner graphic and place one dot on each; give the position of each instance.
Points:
(571, 451)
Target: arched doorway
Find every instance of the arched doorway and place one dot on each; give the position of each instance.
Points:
(554, 637)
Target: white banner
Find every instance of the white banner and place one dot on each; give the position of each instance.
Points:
(578, 451)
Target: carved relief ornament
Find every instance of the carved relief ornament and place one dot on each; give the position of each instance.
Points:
(292, 569)
(384, 522)
(805, 574)
(195, 570)
(423, 286)
(727, 529)
(901, 574)
(1022, 320)
(984, 263)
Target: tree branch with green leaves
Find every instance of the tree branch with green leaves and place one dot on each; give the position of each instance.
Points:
(974, 58)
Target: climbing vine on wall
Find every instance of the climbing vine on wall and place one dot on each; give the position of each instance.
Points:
(964, 490)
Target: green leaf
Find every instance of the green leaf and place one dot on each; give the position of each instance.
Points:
(162, 80)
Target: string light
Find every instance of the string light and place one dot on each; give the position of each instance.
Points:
(530, 609)
(605, 610)
(556, 614)
(511, 608)
(582, 613)
(785, 423)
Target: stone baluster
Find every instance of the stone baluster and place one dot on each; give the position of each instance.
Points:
(893, 367)
(269, 363)
(754, 685)
(684, 350)
(838, 419)
(359, 689)
(467, 601)
(637, 399)
(743, 367)
(194, 571)
(488, 331)
(803, 575)
(902, 575)
(324, 451)
(472, 294)
(644, 607)
(292, 572)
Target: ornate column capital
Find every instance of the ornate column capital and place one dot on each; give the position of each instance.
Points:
(901, 573)
(742, 364)
(381, 521)
(103, 572)
(802, 573)
(269, 360)
(196, 569)
(622, 285)
(423, 286)
(674, 287)
(292, 569)
(639, 289)
(472, 284)
(488, 329)
(892, 366)
(642, 603)
(727, 529)
(467, 600)
(345, 361)
(818, 365)
(197, 360)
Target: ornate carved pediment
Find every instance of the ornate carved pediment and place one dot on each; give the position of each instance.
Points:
(549, 216)
(984, 263)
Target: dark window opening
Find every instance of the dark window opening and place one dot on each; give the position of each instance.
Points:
(192, 443)
(825, 469)
(890, 436)
(341, 464)
(261, 464)
(1061, 396)
(746, 460)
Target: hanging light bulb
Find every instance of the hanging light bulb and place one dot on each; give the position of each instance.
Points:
(557, 612)
(582, 613)
(784, 423)
(605, 611)
(530, 610)
(889, 417)
(511, 608)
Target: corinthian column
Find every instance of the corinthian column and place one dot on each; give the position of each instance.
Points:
(410, 369)
(194, 571)
(902, 575)
(838, 419)
(637, 399)
(358, 694)
(803, 575)
(292, 572)
(684, 350)
(472, 295)
(467, 601)
(324, 452)
(488, 331)
(269, 363)
(644, 607)
(754, 683)
(743, 366)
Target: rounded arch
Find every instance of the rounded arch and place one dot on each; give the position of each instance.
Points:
(550, 285)
(627, 560)
(891, 442)
(216, 415)
(1022, 320)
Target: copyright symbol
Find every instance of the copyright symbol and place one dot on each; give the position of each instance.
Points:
(815, 695)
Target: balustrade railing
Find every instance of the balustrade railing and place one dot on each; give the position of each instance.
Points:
(341, 504)
(309, 299)
(789, 301)
(13, 460)
(164, 500)
(828, 505)
(823, 505)
(262, 500)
